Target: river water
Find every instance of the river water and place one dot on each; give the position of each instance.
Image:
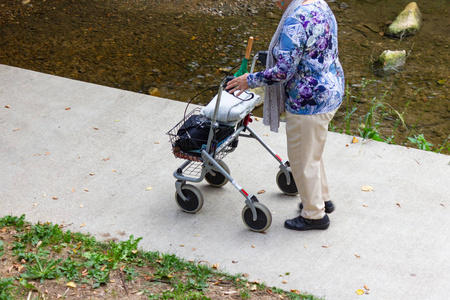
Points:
(185, 47)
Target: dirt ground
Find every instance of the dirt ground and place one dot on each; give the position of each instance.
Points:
(180, 48)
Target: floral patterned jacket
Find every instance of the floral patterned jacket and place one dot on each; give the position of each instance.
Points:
(307, 62)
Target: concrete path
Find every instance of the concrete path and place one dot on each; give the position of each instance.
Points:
(98, 160)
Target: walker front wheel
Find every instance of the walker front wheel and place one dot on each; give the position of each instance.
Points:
(263, 220)
(217, 179)
(194, 199)
(288, 189)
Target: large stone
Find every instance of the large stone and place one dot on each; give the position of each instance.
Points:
(390, 62)
(408, 22)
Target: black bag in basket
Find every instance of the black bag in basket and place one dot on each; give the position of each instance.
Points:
(193, 134)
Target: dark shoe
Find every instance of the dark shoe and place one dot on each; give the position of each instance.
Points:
(329, 207)
(302, 224)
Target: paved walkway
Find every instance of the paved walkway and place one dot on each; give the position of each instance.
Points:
(97, 159)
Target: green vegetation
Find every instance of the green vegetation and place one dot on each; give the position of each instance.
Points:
(383, 123)
(44, 262)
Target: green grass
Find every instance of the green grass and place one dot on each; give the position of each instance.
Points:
(42, 259)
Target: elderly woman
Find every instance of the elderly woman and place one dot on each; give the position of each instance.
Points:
(304, 78)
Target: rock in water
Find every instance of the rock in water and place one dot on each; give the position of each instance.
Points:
(153, 91)
(390, 62)
(408, 22)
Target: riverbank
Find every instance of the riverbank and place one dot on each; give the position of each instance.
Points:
(186, 48)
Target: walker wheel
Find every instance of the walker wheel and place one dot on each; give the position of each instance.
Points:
(218, 179)
(264, 217)
(290, 189)
(194, 199)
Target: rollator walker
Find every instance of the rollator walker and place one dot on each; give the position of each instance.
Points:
(208, 163)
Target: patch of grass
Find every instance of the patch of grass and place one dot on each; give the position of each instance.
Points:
(42, 261)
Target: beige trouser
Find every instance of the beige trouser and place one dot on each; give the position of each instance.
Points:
(306, 136)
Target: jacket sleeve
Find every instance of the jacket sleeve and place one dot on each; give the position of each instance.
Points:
(288, 53)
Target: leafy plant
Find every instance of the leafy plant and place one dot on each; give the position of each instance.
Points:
(420, 142)
(16, 222)
(42, 269)
(6, 285)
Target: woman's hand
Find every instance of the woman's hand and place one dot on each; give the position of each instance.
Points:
(238, 84)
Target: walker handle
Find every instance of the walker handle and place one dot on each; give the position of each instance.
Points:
(249, 48)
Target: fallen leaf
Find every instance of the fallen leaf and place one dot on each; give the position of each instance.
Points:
(366, 287)
(360, 292)
(254, 287)
(82, 225)
(245, 275)
(398, 204)
(16, 129)
(81, 206)
(86, 190)
(253, 246)
(105, 159)
(149, 188)
(234, 261)
(7, 106)
(442, 81)
(215, 266)
(112, 280)
(73, 190)
(71, 284)
(156, 142)
(261, 192)
(367, 188)
(95, 128)
(229, 293)
(193, 249)
(256, 119)
(181, 245)
(354, 140)
(357, 256)
(35, 204)
(443, 205)
(67, 108)
(284, 281)
(365, 205)
(306, 246)
(55, 198)
(92, 174)
(324, 246)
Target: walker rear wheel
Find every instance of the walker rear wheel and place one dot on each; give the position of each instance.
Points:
(290, 189)
(194, 199)
(218, 179)
(263, 220)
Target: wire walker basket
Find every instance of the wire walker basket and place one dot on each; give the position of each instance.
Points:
(219, 149)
